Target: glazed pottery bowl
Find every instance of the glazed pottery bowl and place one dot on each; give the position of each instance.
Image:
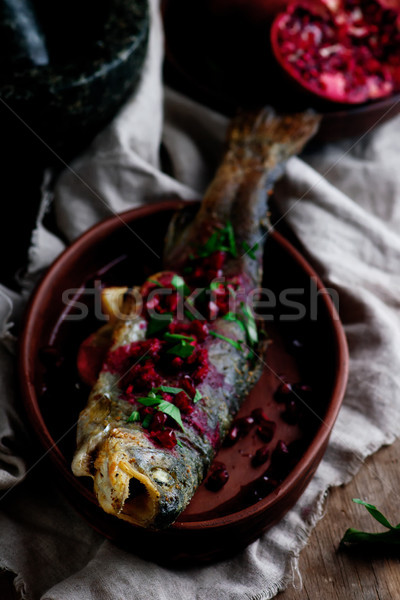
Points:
(307, 348)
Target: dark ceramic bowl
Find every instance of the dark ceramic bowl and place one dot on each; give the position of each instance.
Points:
(308, 346)
(225, 62)
(96, 53)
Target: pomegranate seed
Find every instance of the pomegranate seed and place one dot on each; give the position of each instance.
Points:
(283, 391)
(232, 436)
(291, 414)
(183, 403)
(244, 424)
(265, 485)
(266, 431)
(51, 357)
(177, 363)
(217, 478)
(158, 422)
(259, 415)
(280, 459)
(260, 457)
(166, 438)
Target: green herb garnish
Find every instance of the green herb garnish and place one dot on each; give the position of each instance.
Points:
(157, 325)
(179, 443)
(179, 284)
(146, 421)
(235, 343)
(168, 390)
(250, 324)
(134, 416)
(250, 249)
(173, 337)
(183, 349)
(221, 239)
(231, 316)
(170, 409)
(355, 536)
(157, 283)
(231, 239)
(162, 405)
(197, 397)
(214, 285)
(190, 315)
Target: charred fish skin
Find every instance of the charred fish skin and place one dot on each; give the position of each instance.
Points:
(258, 148)
(138, 476)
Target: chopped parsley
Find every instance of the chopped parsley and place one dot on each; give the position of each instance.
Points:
(197, 397)
(183, 349)
(172, 337)
(221, 240)
(250, 324)
(250, 249)
(235, 343)
(156, 325)
(157, 283)
(134, 416)
(168, 390)
(179, 284)
(146, 421)
(163, 406)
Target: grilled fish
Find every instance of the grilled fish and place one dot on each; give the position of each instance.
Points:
(182, 357)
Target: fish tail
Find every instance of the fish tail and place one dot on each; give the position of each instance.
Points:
(259, 144)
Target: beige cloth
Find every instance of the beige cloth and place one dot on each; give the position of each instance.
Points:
(347, 220)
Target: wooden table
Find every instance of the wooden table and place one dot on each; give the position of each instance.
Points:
(329, 574)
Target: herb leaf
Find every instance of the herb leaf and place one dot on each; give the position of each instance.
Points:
(172, 337)
(162, 405)
(134, 416)
(183, 349)
(231, 316)
(235, 343)
(378, 516)
(168, 390)
(146, 421)
(250, 324)
(150, 400)
(170, 409)
(197, 397)
(179, 284)
(221, 239)
(250, 249)
(156, 325)
(157, 283)
(355, 536)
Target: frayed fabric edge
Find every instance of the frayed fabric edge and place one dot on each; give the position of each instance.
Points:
(18, 583)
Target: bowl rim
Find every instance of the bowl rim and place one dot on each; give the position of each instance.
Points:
(87, 240)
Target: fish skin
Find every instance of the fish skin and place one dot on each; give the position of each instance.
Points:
(114, 452)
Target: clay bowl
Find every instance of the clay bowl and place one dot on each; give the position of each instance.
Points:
(225, 62)
(309, 347)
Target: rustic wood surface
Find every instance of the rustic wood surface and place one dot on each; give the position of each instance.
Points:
(330, 574)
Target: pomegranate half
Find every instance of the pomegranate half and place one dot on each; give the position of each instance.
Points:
(345, 51)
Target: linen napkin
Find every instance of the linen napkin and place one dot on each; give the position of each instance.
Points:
(342, 201)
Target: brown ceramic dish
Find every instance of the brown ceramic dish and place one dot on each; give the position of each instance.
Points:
(311, 349)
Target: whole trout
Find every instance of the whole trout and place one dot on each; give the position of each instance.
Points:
(183, 359)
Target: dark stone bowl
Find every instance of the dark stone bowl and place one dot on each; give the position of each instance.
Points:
(69, 100)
